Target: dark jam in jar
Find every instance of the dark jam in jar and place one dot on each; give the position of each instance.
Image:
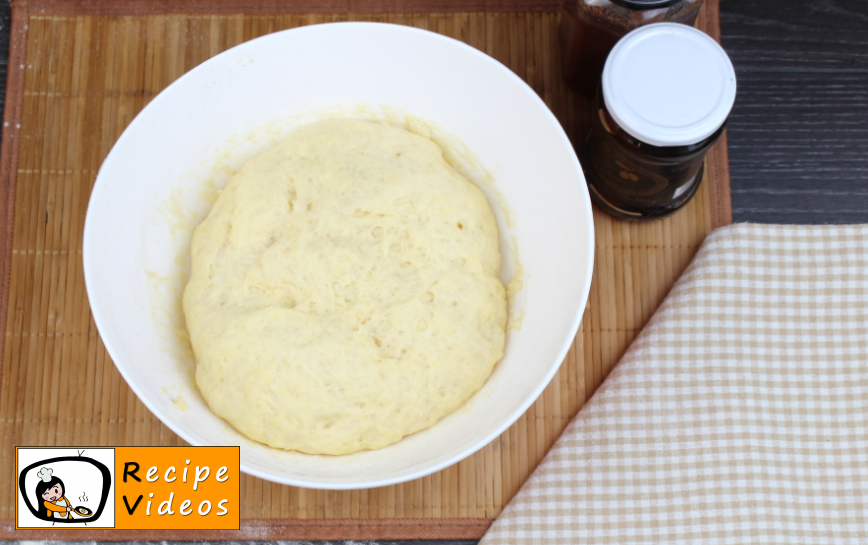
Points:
(593, 27)
(634, 180)
(662, 102)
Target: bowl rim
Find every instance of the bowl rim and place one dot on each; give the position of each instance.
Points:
(101, 320)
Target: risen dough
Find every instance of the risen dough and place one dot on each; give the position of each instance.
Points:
(345, 291)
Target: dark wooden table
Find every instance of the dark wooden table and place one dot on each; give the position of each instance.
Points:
(798, 135)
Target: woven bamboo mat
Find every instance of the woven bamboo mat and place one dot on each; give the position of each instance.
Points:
(80, 72)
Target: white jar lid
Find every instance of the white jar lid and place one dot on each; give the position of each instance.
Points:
(668, 84)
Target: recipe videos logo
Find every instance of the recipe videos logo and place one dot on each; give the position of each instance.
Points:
(128, 488)
(65, 488)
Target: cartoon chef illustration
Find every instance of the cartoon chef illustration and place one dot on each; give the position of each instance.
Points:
(49, 494)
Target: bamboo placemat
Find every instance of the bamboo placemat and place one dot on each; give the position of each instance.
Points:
(78, 74)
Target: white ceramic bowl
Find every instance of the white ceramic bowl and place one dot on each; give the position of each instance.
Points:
(154, 186)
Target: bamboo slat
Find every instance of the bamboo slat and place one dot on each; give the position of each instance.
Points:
(87, 76)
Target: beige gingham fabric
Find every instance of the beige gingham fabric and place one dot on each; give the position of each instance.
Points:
(739, 415)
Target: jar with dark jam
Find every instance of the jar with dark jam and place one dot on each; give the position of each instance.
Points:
(593, 28)
(663, 101)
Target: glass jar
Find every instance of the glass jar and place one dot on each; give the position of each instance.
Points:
(663, 101)
(591, 30)
(634, 180)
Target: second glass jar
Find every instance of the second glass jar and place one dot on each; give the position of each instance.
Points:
(593, 28)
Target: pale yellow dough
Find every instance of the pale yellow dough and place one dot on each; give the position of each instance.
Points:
(345, 291)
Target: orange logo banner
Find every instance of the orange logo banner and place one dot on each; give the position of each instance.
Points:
(177, 488)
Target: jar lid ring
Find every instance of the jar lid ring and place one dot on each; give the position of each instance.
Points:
(668, 85)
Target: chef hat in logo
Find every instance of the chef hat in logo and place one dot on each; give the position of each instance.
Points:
(45, 474)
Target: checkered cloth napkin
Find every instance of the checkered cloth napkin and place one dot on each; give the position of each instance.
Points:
(739, 415)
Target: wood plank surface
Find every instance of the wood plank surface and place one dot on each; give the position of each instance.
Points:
(799, 131)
